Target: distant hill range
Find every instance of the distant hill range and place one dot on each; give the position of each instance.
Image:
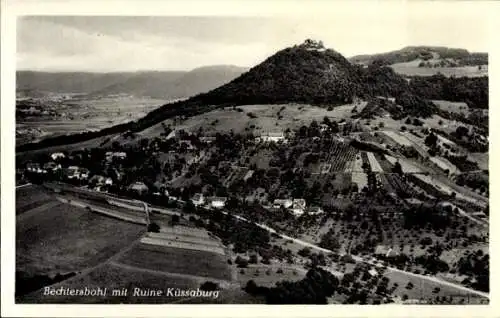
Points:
(155, 84)
(430, 60)
(447, 57)
(310, 74)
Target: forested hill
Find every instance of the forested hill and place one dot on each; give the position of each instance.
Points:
(303, 73)
(309, 74)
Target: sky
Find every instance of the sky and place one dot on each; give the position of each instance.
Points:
(106, 43)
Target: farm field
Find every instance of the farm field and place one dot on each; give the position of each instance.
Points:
(375, 166)
(411, 68)
(87, 114)
(184, 243)
(444, 164)
(406, 165)
(340, 157)
(65, 238)
(358, 176)
(115, 277)
(177, 260)
(397, 137)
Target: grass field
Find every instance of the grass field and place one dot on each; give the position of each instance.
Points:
(267, 118)
(412, 69)
(177, 260)
(30, 197)
(481, 159)
(65, 238)
(453, 107)
(423, 289)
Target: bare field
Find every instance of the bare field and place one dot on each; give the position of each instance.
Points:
(177, 260)
(66, 238)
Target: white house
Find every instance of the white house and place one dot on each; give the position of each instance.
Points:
(316, 210)
(97, 179)
(34, 167)
(198, 199)
(51, 166)
(73, 172)
(272, 137)
(248, 175)
(84, 173)
(139, 187)
(383, 250)
(57, 155)
(207, 139)
(373, 272)
(286, 203)
(218, 202)
(298, 207)
(111, 155)
(171, 135)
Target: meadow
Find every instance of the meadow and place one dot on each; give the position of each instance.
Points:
(64, 238)
(177, 260)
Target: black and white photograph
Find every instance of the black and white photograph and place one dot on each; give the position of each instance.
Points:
(252, 160)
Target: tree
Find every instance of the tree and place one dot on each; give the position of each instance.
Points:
(208, 286)
(397, 168)
(461, 131)
(253, 259)
(153, 227)
(305, 252)
(241, 262)
(431, 140)
(175, 219)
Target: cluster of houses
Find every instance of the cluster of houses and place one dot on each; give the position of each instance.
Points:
(297, 206)
(110, 155)
(271, 137)
(212, 202)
